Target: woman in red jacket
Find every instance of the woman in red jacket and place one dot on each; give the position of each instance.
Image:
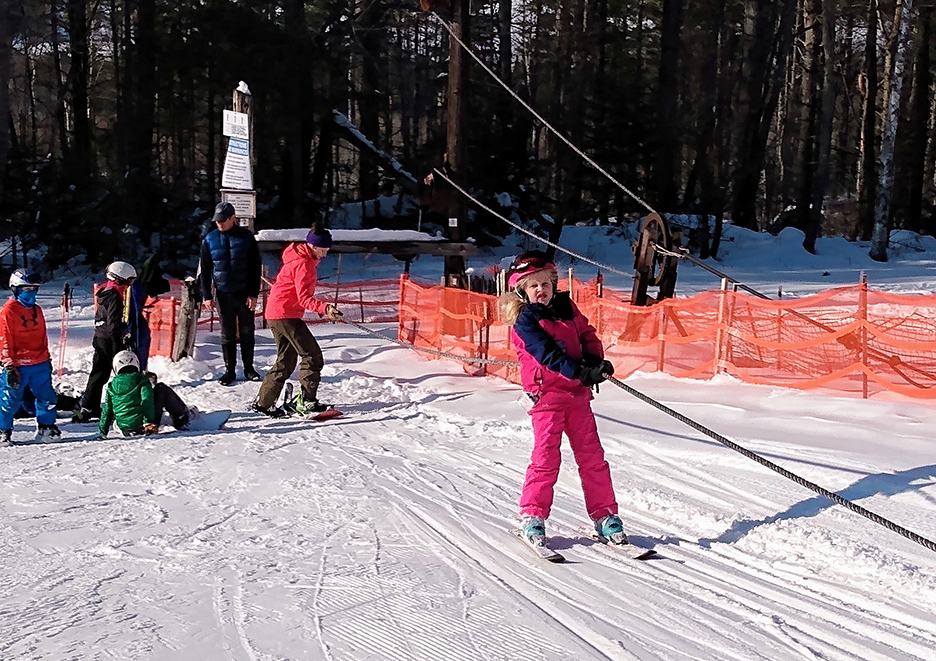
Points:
(292, 294)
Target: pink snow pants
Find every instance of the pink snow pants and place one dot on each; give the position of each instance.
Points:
(553, 414)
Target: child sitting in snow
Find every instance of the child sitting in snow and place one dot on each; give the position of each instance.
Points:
(135, 403)
(561, 358)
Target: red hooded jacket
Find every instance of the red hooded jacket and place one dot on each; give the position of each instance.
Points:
(293, 292)
(23, 339)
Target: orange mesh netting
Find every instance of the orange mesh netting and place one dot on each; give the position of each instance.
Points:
(160, 314)
(850, 339)
(366, 301)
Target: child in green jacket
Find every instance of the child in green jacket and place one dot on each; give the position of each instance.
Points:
(135, 403)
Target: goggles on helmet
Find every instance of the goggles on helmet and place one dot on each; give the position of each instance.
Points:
(527, 264)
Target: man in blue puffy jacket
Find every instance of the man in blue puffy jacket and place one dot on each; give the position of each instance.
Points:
(230, 260)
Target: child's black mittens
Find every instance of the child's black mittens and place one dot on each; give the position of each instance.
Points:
(592, 375)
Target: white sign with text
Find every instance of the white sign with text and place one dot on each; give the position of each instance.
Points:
(236, 173)
(234, 125)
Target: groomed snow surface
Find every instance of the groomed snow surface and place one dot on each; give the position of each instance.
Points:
(383, 535)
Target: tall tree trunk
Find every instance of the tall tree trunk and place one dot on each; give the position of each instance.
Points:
(144, 95)
(707, 107)
(116, 48)
(773, 37)
(78, 71)
(826, 102)
(211, 167)
(729, 42)
(867, 173)
(30, 74)
(882, 211)
(504, 43)
(667, 151)
(60, 87)
(919, 123)
(6, 54)
(804, 165)
(296, 116)
(512, 140)
(368, 93)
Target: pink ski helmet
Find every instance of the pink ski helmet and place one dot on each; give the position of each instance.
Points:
(526, 264)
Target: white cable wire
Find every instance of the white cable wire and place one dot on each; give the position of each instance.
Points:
(578, 151)
(526, 231)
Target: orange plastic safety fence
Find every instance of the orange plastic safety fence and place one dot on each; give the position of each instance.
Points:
(365, 301)
(163, 317)
(160, 313)
(850, 339)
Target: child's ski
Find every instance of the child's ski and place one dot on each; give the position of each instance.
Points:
(632, 551)
(541, 550)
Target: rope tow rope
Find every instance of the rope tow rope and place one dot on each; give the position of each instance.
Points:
(831, 495)
(526, 231)
(812, 486)
(539, 117)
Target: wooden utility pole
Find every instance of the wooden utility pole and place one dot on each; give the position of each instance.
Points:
(243, 103)
(241, 160)
(457, 136)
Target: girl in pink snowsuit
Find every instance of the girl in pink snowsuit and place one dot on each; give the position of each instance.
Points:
(561, 357)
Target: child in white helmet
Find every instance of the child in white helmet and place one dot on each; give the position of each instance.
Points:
(135, 403)
(111, 334)
(25, 358)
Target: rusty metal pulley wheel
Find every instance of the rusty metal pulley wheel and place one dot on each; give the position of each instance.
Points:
(654, 232)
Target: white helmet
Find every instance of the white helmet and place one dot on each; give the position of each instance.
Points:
(121, 271)
(21, 277)
(125, 358)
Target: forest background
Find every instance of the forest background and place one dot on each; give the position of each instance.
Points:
(765, 113)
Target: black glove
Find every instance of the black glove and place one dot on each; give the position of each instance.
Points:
(592, 376)
(591, 360)
(13, 378)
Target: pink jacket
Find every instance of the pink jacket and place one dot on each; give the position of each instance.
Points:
(294, 290)
(551, 342)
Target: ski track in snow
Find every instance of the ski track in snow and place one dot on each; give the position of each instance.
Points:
(384, 534)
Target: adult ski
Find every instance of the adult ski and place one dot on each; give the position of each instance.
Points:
(542, 551)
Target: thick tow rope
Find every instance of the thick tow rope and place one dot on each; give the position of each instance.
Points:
(728, 443)
(812, 486)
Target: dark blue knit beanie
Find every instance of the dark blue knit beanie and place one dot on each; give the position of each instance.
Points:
(320, 238)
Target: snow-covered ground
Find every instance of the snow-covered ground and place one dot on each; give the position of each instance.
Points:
(383, 534)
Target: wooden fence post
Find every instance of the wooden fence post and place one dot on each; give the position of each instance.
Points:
(720, 334)
(661, 338)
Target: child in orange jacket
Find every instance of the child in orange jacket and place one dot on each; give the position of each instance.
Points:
(24, 355)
